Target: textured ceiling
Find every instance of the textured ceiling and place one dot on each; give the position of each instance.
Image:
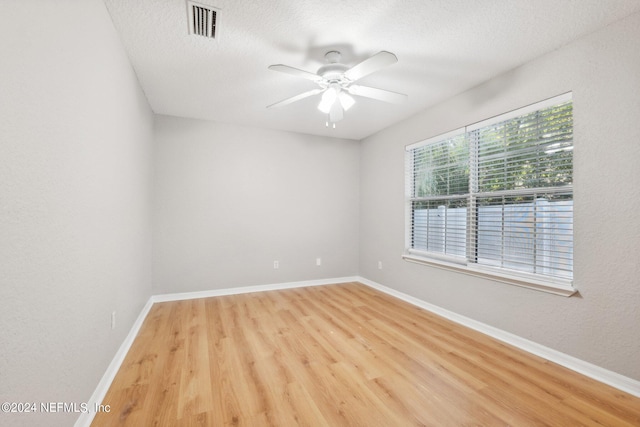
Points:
(443, 47)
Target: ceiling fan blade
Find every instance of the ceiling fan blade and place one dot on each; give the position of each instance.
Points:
(379, 94)
(295, 72)
(370, 65)
(296, 98)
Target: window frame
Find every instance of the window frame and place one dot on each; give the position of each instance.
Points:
(554, 285)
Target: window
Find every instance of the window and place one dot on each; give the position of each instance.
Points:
(496, 198)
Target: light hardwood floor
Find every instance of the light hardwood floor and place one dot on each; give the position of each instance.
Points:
(340, 355)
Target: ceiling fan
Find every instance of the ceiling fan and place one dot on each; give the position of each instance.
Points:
(336, 82)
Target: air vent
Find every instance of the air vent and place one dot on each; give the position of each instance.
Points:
(203, 20)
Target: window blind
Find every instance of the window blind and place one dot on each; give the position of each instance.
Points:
(497, 194)
(440, 187)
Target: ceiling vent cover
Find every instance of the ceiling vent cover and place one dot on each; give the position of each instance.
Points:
(203, 20)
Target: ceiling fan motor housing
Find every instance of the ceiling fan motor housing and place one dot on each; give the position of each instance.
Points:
(333, 71)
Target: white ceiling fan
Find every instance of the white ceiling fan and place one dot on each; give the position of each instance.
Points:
(337, 84)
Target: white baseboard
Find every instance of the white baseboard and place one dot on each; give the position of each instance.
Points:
(85, 419)
(590, 370)
(249, 289)
(611, 378)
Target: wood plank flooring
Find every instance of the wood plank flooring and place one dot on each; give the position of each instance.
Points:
(340, 355)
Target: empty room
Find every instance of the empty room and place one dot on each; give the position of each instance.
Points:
(319, 213)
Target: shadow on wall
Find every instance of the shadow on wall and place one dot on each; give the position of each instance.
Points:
(494, 88)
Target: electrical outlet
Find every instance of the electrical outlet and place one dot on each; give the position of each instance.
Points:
(379, 265)
(276, 265)
(113, 320)
(318, 261)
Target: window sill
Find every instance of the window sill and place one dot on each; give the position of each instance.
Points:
(564, 288)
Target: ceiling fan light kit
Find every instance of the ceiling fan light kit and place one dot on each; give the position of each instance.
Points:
(336, 83)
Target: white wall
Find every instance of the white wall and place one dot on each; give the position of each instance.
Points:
(229, 200)
(75, 152)
(601, 324)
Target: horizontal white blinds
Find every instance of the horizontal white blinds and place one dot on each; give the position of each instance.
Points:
(529, 151)
(523, 198)
(532, 233)
(442, 168)
(498, 195)
(440, 226)
(440, 186)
